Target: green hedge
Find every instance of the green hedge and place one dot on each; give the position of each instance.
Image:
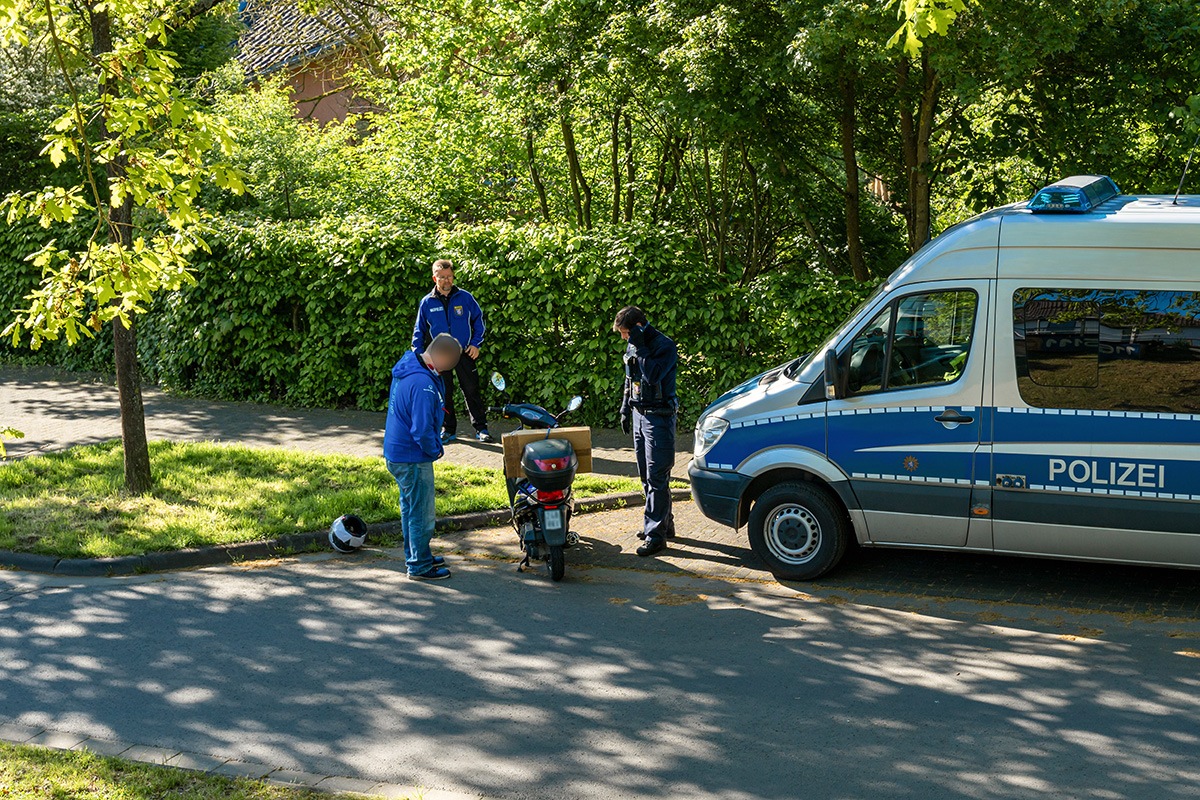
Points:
(18, 277)
(315, 314)
(552, 294)
(308, 314)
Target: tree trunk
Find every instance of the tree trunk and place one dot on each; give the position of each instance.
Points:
(759, 250)
(853, 195)
(536, 176)
(630, 171)
(581, 192)
(722, 214)
(711, 216)
(660, 180)
(138, 479)
(916, 128)
(923, 186)
(120, 231)
(616, 167)
(908, 148)
(822, 252)
(668, 173)
(576, 201)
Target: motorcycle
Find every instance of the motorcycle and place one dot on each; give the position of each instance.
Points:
(541, 499)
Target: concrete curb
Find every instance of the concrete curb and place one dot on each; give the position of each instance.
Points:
(272, 548)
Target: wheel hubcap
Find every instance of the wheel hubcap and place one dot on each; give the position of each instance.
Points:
(793, 534)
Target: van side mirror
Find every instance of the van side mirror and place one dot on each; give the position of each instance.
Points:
(833, 378)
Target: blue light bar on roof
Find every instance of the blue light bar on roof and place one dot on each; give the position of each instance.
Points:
(1075, 195)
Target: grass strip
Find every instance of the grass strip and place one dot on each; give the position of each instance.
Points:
(35, 773)
(72, 505)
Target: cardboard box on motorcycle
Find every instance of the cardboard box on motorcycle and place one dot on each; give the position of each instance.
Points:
(514, 445)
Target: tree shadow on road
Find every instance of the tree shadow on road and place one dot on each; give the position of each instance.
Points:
(605, 686)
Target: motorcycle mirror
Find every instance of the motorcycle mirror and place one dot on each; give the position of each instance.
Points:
(575, 403)
(499, 382)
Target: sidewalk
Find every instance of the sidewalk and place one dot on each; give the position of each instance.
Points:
(56, 410)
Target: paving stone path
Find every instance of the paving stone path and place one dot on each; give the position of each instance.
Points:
(56, 410)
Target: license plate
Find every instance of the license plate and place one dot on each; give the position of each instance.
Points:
(554, 519)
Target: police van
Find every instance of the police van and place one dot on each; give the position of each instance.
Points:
(1028, 383)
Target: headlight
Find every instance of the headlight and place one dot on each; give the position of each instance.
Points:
(709, 432)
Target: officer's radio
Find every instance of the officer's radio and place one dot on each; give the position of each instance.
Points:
(642, 393)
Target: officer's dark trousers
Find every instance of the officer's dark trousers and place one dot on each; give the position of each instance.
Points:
(468, 378)
(654, 441)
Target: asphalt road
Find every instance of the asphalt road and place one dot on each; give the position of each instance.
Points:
(614, 684)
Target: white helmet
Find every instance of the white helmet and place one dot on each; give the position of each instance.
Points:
(348, 533)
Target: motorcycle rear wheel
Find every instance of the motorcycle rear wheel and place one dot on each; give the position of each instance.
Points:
(558, 562)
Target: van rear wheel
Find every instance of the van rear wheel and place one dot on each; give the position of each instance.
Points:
(799, 530)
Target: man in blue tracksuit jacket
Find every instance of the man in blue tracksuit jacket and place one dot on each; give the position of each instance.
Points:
(449, 309)
(648, 411)
(412, 442)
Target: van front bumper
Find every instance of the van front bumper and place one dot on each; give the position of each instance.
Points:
(718, 494)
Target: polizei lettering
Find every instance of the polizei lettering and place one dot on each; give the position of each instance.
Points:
(1117, 474)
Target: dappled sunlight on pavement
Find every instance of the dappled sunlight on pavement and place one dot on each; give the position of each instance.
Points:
(1057, 595)
(616, 683)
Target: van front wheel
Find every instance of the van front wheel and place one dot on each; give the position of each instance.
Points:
(798, 530)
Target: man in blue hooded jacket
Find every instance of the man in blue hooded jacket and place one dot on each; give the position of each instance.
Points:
(449, 309)
(412, 442)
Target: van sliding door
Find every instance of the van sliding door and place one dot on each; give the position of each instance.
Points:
(1097, 429)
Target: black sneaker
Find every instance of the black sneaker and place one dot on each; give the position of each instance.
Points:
(484, 437)
(651, 547)
(433, 574)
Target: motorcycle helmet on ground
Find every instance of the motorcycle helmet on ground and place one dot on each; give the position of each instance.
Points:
(347, 534)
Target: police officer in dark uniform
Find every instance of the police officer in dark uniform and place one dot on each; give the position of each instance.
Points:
(648, 410)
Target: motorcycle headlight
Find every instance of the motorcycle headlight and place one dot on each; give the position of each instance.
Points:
(709, 432)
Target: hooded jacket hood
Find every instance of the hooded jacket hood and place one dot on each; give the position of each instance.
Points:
(412, 433)
(410, 364)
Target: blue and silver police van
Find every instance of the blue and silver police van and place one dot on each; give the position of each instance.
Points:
(1028, 383)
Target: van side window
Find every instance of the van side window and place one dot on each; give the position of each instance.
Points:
(1108, 349)
(1059, 335)
(918, 340)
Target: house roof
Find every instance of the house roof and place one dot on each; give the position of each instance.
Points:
(279, 35)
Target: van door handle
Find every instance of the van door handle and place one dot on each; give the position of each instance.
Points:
(951, 419)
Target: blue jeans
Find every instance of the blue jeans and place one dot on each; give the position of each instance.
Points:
(417, 514)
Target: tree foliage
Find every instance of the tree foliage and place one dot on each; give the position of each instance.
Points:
(783, 135)
(745, 170)
(8, 433)
(920, 19)
(139, 142)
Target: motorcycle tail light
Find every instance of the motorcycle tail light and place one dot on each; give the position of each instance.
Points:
(549, 497)
(552, 464)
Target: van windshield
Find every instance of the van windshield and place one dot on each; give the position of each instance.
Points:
(796, 367)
